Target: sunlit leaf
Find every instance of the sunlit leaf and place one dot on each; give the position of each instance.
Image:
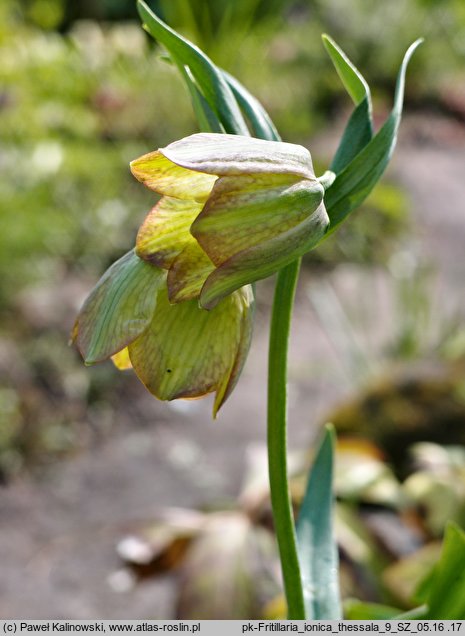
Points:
(353, 184)
(208, 77)
(259, 119)
(353, 80)
(316, 542)
(360, 611)
(446, 596)
(206, 117)
(359, 129)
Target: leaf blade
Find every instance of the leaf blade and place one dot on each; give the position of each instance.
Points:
(315, 538)
(209, 78)
(354, 82)
(359, 177)
(261, 122)
(446, 598)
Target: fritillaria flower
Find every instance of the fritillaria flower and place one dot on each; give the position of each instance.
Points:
(233, 210)
(176, 350)
(178, 309)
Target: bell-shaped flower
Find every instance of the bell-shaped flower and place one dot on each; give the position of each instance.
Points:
(177, 351)
(233, 210)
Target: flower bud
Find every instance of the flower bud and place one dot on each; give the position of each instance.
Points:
(233, 210)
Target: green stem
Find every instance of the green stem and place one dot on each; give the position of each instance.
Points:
(277, 439)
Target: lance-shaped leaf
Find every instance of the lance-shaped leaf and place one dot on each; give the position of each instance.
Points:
(206, 117)
(187, 352)
(208, 77)
(262, 125)
(118, 309)
(353, 80)
(446, 590)
(315, 536)
(361, 611)
(357, 179)
(359, 129)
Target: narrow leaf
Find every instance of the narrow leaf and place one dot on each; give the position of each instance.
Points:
(356, 181)
(360, 611)
(208, 77)
(353, 80)
(416, 612)
(357, 134)
(261, 123)
(206, 118)
(359, 129)
(447, 588)
(315, 538)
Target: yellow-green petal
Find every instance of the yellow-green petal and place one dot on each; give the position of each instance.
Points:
(165, 231)
(228, 155)
(188, 273)
(160, 174)
(264, 259)
(186, 351)
(249, 210)
(118, 309)
(121, 360)
(246, 298)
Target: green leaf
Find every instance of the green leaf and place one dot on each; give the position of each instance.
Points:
(355, 610)
(315, 537)
(165, 231)
(208, 77)
(262, 260)
(416, 612)
(357, 134)
(118, 309)
(446, 599)
(262, 125)
(353, 80)
(206, 118)
(359, 129)
(357, 179)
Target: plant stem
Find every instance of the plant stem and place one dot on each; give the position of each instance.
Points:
(277, 439)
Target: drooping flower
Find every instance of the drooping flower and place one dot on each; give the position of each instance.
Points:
(233, 210)
(177, 351)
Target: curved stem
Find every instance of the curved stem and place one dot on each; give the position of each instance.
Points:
(277, 438)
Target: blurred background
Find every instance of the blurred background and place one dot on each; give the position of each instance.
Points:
(115, 505)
